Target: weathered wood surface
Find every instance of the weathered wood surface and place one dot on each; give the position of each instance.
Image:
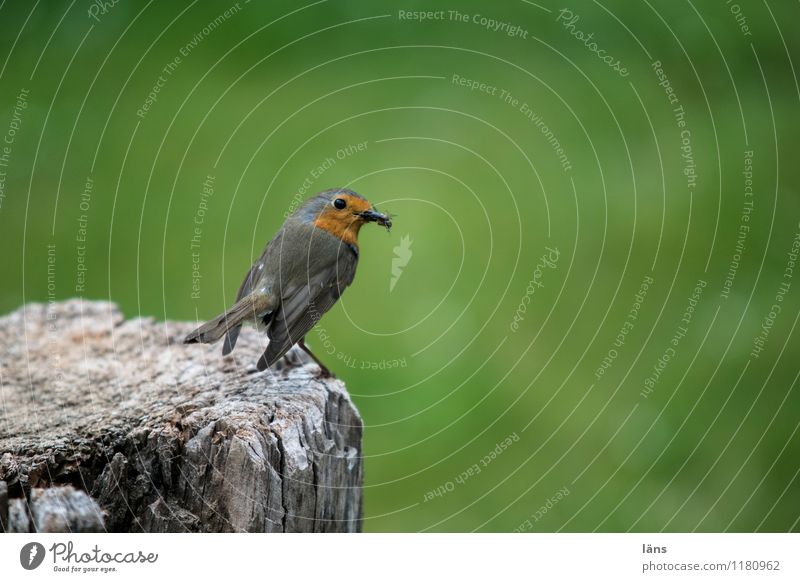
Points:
(170, 437)
(54, 510)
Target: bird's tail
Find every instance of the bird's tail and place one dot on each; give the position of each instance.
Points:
(246, 308)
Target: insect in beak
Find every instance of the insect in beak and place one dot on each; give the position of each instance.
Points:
(375, 216)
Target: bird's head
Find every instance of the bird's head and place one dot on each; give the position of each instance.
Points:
(342, 213)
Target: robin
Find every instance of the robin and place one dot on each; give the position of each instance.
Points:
(302, 272)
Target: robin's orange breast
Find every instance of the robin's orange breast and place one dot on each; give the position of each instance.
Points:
(346, 230)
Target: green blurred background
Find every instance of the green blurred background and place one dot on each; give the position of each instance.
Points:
(482, 425)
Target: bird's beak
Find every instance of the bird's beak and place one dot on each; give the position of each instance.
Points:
(373, 215)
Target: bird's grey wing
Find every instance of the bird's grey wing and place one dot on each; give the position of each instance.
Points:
(268, 257)
(247, 286)
(303, 306)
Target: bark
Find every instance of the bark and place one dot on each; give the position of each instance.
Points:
(168, 437)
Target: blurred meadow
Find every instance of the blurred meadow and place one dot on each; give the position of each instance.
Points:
(591, 321)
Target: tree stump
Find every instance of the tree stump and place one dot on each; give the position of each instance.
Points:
(54, 510)
(168, 437)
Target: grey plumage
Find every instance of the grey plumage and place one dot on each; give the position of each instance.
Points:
(300, 275)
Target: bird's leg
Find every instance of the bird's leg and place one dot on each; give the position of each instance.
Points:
(326, 373)
(292, 359)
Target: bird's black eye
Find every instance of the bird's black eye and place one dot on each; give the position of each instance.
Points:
(339, 203)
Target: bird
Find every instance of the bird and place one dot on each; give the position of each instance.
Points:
(300, 275)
